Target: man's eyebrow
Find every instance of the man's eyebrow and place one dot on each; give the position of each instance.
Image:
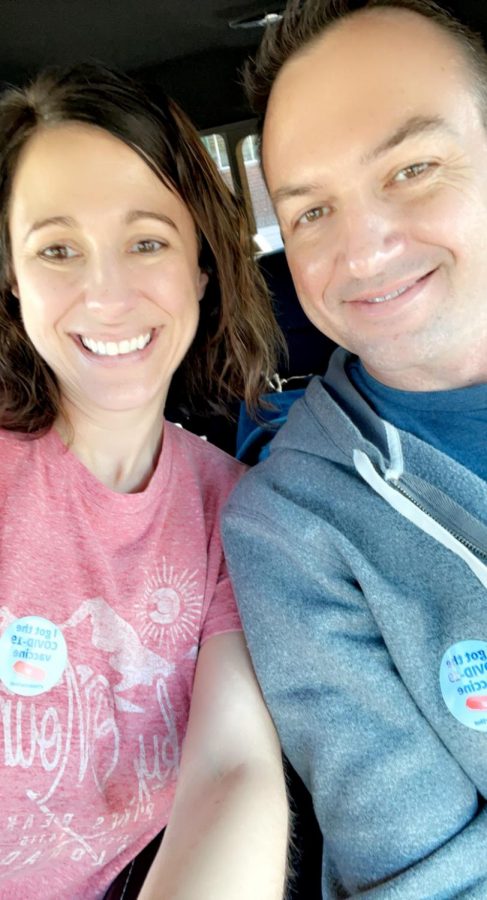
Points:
(298, 190)
(414, 126)
(136, 214)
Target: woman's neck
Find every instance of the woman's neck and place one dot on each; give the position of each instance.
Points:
(121, 449)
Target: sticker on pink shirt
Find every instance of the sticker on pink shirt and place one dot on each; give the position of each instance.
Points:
(33, 656)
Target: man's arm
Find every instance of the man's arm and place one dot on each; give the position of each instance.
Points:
(395, 807)
(227, 834)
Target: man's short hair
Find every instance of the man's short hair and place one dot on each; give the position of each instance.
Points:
(303, 21)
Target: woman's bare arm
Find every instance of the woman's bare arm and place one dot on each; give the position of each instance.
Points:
(227, 834)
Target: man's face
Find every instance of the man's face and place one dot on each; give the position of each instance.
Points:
(376, 159)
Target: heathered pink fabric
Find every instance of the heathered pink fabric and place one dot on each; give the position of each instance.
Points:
(135, 582)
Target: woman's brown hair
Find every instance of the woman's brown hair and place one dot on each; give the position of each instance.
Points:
(235, 347)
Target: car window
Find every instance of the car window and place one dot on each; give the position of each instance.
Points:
(267, 232)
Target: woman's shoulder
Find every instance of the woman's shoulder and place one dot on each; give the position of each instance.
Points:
(208, 459)
(19, 442)
(13, 444)
(15, 451)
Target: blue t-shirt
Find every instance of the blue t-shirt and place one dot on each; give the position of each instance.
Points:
(452, 421)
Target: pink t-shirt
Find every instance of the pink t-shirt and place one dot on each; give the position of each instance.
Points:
(133, 583)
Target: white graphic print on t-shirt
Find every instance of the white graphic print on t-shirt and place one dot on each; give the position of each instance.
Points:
(109, 725)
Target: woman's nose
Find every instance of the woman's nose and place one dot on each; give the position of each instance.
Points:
(108, 293)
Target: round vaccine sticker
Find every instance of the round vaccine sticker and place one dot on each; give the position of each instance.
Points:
(463, 682)
(33, 656)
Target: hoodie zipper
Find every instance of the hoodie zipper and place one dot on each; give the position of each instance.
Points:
(474, 548)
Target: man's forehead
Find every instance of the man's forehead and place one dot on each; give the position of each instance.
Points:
(367, 43)
(364, 30)
(362, 79)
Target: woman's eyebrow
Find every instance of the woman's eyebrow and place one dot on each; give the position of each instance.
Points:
(136, 214)
(131, 217)
(51, 220)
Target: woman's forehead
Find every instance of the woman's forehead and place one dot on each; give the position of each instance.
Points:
(82, 166)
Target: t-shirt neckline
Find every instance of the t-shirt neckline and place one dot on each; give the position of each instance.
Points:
(98, 492)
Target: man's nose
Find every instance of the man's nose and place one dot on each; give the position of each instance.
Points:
(108, 293)
(372, 238)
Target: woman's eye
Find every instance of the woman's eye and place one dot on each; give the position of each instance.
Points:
(412, 171)
(147, 246)
(58, 251)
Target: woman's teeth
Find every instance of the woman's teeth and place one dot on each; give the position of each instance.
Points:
(116, 348)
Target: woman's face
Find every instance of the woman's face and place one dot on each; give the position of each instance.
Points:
(105, 262)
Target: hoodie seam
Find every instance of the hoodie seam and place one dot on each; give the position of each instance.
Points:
(324, 430)
(263, 520)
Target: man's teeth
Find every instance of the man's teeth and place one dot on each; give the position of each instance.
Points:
(114, 348)
(390, 296)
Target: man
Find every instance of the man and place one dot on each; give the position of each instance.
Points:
(359, 548)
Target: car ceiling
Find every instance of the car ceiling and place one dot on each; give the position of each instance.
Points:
(185, 46)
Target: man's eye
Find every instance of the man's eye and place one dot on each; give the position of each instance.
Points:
(147, 246)
(58, 251)
(312, 215)
(412, 171)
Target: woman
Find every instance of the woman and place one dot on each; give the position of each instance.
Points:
(123, 254)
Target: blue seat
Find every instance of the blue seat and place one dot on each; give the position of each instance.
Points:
(309, 349)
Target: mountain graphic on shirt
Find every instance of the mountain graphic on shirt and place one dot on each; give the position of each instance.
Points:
(127, 654)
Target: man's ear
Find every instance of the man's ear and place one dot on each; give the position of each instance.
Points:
(202, 282)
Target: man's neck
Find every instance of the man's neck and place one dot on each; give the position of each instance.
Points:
(466, 372)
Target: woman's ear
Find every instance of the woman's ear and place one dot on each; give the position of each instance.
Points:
(12, 282)
(202, 282)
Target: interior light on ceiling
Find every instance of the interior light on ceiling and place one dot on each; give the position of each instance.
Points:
(260, 21)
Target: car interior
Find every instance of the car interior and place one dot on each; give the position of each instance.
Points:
(194, 50)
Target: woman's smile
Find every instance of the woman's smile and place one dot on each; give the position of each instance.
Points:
(106, 265)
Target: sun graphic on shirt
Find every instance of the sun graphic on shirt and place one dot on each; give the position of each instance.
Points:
(170, 608)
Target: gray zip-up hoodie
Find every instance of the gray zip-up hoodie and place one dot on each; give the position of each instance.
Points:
(359, 558)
